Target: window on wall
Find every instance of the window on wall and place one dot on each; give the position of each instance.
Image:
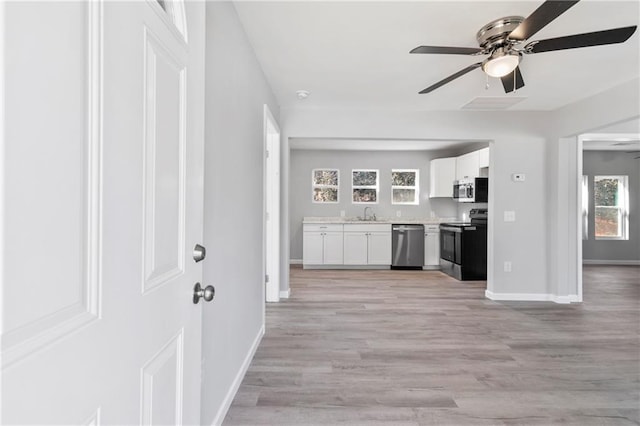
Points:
(611, 212)
(404, 186)
(325, 184)
(364, 184)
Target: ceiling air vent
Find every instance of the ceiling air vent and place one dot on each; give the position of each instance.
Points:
(493, 103)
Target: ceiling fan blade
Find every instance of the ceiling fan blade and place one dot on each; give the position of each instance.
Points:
(443, 50)
(451, 78)
(597, 38)
(543, 15)
(508, 81)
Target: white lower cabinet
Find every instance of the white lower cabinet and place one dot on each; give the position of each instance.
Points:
(333, 251)
(431, 246)
(367, 244)
(313, 248)
(379, 248)
(322, 244)
(355, 248)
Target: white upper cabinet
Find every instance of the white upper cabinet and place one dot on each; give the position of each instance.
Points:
(483, 158)
(468, 165)
(442, 175)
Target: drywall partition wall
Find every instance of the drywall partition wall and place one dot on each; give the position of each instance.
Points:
(613, 163)
(518, 147)
(302, 162)
(617, 105)
(236, 91)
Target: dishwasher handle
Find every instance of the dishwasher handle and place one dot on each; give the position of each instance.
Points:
(408, 228)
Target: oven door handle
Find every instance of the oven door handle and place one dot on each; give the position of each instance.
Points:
(452, 229)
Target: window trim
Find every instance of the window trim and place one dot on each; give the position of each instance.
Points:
(416, 187)
(622, 207)
(322, 186)
(376, 186)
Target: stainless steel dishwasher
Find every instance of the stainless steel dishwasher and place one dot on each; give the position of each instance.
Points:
(407, 242)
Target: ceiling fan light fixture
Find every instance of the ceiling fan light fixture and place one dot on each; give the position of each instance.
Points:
(501, 64)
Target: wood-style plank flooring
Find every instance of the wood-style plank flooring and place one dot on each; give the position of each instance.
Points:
(420, 348)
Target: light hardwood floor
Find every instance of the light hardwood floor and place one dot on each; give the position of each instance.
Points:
(420, 348)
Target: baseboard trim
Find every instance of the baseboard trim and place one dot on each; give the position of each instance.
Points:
(295, 261)
(284, 294)
(226, 404)
(347, 267)
(532, 297)
(572, 298)
(610, 262)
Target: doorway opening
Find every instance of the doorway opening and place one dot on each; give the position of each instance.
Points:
(602, 157)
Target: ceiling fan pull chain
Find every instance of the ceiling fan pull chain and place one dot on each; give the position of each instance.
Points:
(514, 78)
(486, 85)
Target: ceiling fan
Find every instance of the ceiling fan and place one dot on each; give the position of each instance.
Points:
(503, 40)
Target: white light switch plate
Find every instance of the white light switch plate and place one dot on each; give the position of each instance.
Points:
(509, 216)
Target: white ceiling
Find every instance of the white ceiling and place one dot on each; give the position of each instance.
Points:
(356, 54)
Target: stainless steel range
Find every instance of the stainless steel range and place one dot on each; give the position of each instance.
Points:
(463, 247)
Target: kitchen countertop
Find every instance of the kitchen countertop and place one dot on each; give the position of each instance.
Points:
(382, 220)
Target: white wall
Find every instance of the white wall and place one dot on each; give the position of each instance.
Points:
(518, 146)
(300, 188)
(617, 105)
(236, 91)
(613, 163)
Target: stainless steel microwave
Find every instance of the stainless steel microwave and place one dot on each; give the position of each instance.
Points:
(475, 190)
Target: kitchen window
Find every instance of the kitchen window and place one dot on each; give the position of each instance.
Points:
(325, 183)
(364, 186)
(404, 186)
(611, 212)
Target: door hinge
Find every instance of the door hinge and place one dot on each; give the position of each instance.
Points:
(267, 154)
(267, 215)
(266, 278)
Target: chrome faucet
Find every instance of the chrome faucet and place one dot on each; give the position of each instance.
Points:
(365, 214)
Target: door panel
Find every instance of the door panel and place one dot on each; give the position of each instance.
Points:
(164, 167)
(102, 206)
(333, 248)
(379, 248)
(355, 248)
(39, 217)
(312, 248)
(162, 385)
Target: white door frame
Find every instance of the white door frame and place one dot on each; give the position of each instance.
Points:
(579, 172)
(271, 234)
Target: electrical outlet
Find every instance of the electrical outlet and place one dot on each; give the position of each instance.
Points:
(509, 216)
(398, 213)
(507, 266)
(518, 177)
(342, 214)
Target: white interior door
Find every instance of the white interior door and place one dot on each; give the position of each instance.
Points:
(101, 208)
(272, 206)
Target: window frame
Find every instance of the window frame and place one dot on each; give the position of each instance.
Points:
(376, 186)
(314, 185)
(622, 206)
(416, 187)
(585, 207)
